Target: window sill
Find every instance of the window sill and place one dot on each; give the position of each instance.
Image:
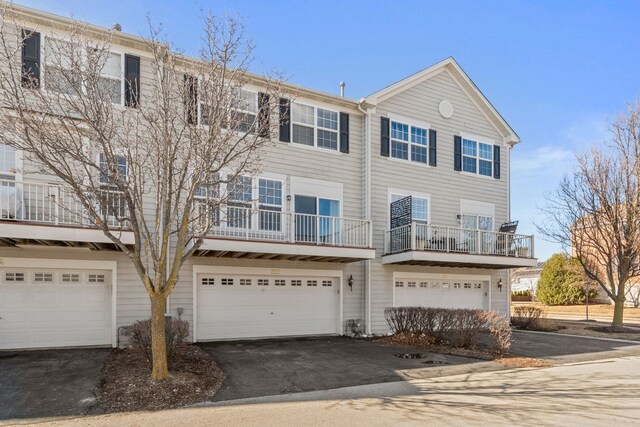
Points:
(314, 148)
(409, 162)
(476, 175)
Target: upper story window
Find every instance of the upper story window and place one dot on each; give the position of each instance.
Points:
(409, 142)
(62, 60)
(314, 126)
(477, 157)
(111, 77)
(7, 162)
(245, 110)
(121, 165)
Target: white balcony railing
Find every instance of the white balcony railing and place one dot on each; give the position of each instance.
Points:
(424, 237)
(237, 222)
(52, 204)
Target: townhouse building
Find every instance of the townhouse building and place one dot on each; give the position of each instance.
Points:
(397, 198)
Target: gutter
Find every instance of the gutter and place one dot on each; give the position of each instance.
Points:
(367, 207)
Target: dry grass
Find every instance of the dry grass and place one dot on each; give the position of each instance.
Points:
(524, 362)
(587, 329)
(579, 310)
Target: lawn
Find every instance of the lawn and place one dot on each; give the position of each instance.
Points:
(600, 310)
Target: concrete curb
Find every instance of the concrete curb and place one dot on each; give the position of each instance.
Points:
(580, 336)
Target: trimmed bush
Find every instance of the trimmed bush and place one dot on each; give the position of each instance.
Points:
(526, 317)
(562, 282)
(525, 293)
(458, 328)
(176, 334)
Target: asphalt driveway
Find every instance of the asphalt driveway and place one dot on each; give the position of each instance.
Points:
(280, 366)
(46, 383)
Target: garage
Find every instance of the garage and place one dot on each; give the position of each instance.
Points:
(54, 308)
(264, 304)
(443, 292)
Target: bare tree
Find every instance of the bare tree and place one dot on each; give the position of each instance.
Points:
(595, 212)
(156, 168)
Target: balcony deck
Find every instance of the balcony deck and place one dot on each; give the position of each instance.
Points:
(425, 244)
(45, 214)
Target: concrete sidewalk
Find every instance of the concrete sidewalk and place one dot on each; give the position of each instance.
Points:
(605, 392)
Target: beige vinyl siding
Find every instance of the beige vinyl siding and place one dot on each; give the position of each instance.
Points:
(445, 186)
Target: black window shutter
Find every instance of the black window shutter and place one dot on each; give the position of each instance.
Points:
(384, 136)
(433, 144)
(285, 119)
(30, 58)
(496, 161)
(131, 81)
(263, 114)
(457, 153)
(191, 98)
(344, 133)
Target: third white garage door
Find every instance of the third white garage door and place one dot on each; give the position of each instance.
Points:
(234, 306)
(440, 293)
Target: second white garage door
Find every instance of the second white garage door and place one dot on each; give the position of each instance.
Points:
(440, 293)
(234, 306)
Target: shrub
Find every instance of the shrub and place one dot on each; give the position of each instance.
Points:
(176, 334)
(457, 328)
(525, 317)
(499, 331)
(562, 282)
(525, 293)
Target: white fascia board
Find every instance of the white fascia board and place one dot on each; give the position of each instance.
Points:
(453, 258)
(286, 249)
(46, 232)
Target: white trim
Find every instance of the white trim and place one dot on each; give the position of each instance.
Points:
(11, 262)
(213, 269)
(215, 244)
(477, 138)
(56, 232)
(408, 120)
(459, 258)
(411, 123)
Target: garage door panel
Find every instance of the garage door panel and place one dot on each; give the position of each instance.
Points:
(456, 293)
(251, 310)
(54, 314)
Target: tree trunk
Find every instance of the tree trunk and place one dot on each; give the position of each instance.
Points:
(160, 367)
(618, 312)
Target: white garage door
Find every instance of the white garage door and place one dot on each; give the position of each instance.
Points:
(252, 306)
(440, 293)
(54, 308)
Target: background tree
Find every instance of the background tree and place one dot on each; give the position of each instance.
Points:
(595, 212)
(562, 282)
(147, 170)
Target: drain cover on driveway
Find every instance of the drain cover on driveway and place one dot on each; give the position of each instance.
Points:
(409, 355)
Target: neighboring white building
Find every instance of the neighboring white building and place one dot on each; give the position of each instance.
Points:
(432, 136)
(526, 278)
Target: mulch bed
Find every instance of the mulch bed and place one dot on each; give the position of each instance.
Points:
(423, 342)
(126, 383)
(420, 341)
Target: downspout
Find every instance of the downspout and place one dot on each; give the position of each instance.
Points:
(509, 219)
(367, 211)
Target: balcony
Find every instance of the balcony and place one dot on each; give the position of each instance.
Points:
(242, 232)
(424, 244)
(48, 214)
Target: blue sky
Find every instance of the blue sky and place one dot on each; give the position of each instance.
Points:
(558, 71)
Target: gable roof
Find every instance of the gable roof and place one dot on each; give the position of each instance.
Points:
(467, 85)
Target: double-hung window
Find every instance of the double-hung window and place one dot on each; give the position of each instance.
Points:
(270, 204)
(111, 77)
(7, 163)
(62, 59)
(409, 142)
(112, 203)
(314, 126)
(477, 157)
(243, 116)
(240, 193)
